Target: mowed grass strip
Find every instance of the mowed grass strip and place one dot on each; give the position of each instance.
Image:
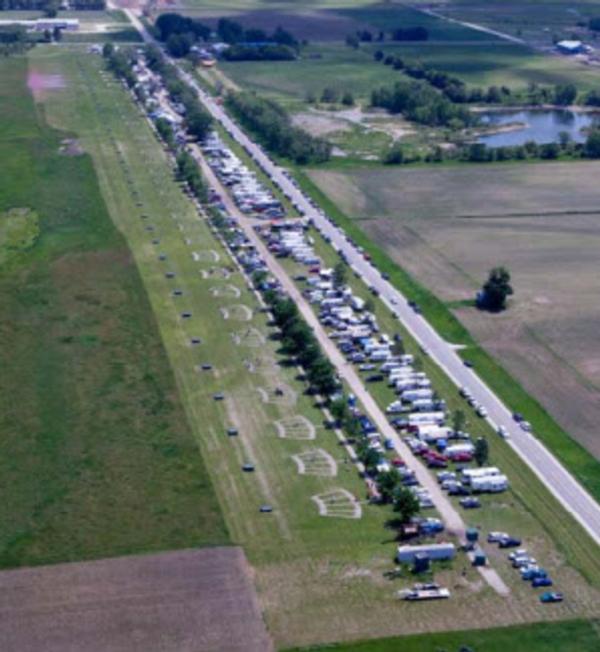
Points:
(567, 636)
(96, 456)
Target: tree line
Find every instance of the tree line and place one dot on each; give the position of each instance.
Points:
(270, 123)
(457, 91)
(181, 33)
(415, 33)
(420, 103)
(198, 121)
(480, 153)
(299, 342)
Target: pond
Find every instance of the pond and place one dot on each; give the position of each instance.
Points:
(539, 125)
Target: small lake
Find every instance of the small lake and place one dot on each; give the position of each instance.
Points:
(542, 126)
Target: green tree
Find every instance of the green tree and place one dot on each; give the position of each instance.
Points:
(398, 348)
(330, 95)
(592, 144)
(348, 99)
(459, 421)
(340, 274)
(565, 94)
(387, 482)
(406, 504)
(495, 291)
(482, 451)
(107, 50)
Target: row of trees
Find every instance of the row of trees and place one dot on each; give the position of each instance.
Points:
(198, 121)
(300, 343)
(181, 33)
(480, 153)
(188, 171)
(416, 33)
(457, 91)
(266, 52)
(331, 95)
(272, 125)
(420, 103)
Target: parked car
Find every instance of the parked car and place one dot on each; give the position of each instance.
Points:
(526, 426)
(468, 364)
(551, 596)
(481, 412)
(518, 417)
(496, 537)
(509, 542)
(541, 581)
(470, 503)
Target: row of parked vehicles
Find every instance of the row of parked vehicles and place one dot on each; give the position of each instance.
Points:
(526, 565)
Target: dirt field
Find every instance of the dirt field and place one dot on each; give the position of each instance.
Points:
(187, 601)
(448, 226)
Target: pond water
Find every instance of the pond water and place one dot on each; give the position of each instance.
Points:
(541, 126)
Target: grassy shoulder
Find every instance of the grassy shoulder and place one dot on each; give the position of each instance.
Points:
(96, 455)
(581, 463)
(566, 636)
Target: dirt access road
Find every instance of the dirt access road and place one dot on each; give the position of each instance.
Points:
(185, 601)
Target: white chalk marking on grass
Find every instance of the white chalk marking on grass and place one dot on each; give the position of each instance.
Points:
(251, 337)
(282, 394)
(240, 312)
(296, 427)
(338, 503)
(226, 291)
(316, 462)
(208, 255)
(224, 312)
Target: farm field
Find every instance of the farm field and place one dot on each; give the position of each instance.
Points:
(319, 578)
(185, 600)
(436, 225)
(537, 22)
(96, 456)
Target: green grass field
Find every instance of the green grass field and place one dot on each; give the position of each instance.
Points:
(97, 458)
(569, 636)
(319, 579)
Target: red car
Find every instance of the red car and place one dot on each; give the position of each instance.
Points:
(314, 270)
(397, 461)
(462, 457)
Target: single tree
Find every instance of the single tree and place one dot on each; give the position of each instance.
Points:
(340, 274)
(592, 144)
(459, 421)
(482, 451)
(406, 504)
(348, 99)
(495, 291)
(387, 482)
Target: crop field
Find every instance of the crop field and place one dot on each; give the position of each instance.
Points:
(537, 22)
(447, 227)
(319, 578)
(96, 455)
(172, 601)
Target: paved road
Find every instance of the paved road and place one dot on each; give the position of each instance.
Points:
(574, 498)
(452, 519)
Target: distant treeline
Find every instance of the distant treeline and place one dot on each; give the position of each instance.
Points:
(272, 125)
(181, 33)
(480, 153)
(457, 91)
(420, 103)
(416, 33)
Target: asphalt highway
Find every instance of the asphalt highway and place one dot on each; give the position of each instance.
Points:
(574, 498)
